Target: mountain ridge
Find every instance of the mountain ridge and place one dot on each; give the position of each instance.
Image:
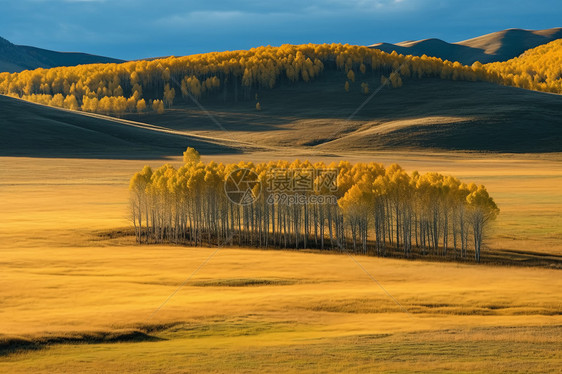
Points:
(497, 46)
(16, 58)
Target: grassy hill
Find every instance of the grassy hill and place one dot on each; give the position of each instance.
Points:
(15, 58)
(423, 114)
(311, 97)
(33, 130)
(428, 113)
(497, 46)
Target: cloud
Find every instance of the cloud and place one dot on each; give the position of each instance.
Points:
(63, 1)
(140, 28)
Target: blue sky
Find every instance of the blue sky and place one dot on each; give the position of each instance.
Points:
(131, 29)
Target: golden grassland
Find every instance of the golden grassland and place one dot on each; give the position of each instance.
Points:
(85, 301)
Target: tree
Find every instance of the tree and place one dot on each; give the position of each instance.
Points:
(395, 80)
(141, 105)
(119, 105)
(169, 94)
(57, 100)
(191, 156)
(365, 88)
(482, 209)
(71, 103)
(138, 188)
(355, 205)
(105, 105)
(158, 106)
(384, 80)
(131, 104)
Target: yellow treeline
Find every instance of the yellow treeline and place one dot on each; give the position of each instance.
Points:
(374, 209)
(138, 86)
(538, 69)
(118, 88)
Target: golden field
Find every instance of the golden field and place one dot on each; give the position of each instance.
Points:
(77, 296)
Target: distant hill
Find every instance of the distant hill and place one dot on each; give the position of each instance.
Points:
(16, 58)
(497, 46)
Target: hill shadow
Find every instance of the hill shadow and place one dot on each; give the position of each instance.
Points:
(31, 130)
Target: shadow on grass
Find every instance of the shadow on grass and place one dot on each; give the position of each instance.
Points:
(15, 344)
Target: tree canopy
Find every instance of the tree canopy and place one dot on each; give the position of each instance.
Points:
(374, 208)
(118, 88)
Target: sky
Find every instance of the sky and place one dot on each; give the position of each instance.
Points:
(134, 29)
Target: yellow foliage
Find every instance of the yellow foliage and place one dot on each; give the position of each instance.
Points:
(365, 88)
(198, 75)
(158, 106)
(191, 155)
(141, 105)
(538, 69)
(169, 94)
(71, 103)
(363, 192)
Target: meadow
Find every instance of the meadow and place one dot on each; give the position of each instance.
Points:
(78, 295)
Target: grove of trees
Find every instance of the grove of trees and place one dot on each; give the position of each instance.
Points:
(135, 86)
(378, 209)
(155, 85)
(538, 69)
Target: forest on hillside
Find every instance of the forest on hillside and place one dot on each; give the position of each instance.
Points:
(140, 86)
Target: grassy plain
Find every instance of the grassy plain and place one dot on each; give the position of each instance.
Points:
(77, 300)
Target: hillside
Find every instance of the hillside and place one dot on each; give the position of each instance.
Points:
(536, 69)
(298, 97)
(33, 130)
(435, 48)
(497, 46)
(15, 58)
(423, 114)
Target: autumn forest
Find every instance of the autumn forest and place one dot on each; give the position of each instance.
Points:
(155, 85)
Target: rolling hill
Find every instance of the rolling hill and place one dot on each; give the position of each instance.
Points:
(423, 114)
(312, 98)
(33, 130)
(15, 58)
(497, 46)
(429, 114)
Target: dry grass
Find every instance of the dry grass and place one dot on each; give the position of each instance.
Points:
(59, 294)
(72, 197)
(69, 292)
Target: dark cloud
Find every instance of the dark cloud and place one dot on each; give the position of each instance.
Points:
(141, 28)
